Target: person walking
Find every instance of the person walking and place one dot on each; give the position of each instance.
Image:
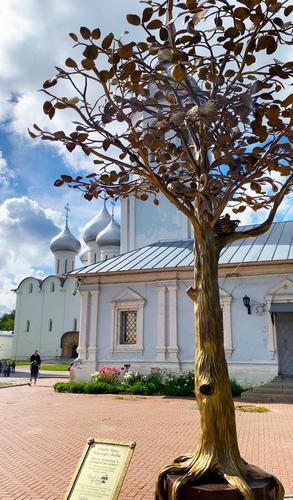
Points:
(35, 361)
(6, 369)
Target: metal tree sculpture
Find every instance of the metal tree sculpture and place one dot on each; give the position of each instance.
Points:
(204, 123)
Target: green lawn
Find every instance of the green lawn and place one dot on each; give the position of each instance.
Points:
(45, 366)
(59, 368)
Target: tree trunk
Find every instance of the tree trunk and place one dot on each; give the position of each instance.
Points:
(218, 446)
(217, 451)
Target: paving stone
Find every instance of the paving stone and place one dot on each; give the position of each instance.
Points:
(43, 434)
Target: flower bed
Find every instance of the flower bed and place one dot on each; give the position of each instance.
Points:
(126, 381)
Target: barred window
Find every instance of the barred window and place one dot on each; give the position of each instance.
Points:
(128, 327)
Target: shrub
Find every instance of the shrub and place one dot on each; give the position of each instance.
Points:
(141, 387)
(155, 379)
(156, 382)
(131, 378)
(107, 374)
(236, 388)
(179, 384)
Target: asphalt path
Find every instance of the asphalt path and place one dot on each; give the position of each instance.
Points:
(22, 375)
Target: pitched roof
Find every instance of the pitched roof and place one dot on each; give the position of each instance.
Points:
(275, 245)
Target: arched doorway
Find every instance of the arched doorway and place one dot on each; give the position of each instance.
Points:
(69, 343)
(74, 353)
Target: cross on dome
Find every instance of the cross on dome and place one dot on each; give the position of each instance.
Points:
(67, 210)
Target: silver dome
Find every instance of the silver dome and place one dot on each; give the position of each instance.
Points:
(96, 225)
(110, 235)
(65, 242)
(84, 254)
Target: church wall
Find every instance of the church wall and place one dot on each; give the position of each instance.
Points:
(6, 343)
(105, 326)
(71, 307)
(143, 223)
(53, 309)
(253, 357)
(28, 309)
(154, 223)
(64, 262)
(186, 335)
(39, 307)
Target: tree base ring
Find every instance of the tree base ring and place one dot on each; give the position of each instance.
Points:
(212, 487)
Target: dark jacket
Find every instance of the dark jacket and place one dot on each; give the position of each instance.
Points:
(36, 357)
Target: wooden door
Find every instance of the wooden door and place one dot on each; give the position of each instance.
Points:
(284, 331)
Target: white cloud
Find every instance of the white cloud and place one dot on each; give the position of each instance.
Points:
(25, 231)
(6, 175)
(34, 39)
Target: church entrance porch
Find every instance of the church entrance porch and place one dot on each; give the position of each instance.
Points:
(69, 343)
(284, 334)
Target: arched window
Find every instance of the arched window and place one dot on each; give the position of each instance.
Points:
(30, 288)
(52, 287)
(65, 268)
(27, 326)
(58, 266)
(50, 325)
(74, 324)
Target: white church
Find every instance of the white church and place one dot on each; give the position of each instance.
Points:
(127, 302)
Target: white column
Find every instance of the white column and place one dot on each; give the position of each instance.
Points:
(161, 324)
(173, 346)
(92, 345)
(82, 347)
(272, 340)
(131, 220)
(226, 312)
(124, 225)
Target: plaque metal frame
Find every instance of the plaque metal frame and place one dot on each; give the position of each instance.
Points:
(83, 459)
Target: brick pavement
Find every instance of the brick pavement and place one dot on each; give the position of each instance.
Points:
(44, 433)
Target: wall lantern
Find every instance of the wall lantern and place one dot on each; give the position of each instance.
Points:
(246, 302)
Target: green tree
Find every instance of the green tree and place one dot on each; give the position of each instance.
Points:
(7, 321)
(190, 112)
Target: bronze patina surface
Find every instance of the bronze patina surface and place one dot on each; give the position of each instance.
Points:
(211, 487)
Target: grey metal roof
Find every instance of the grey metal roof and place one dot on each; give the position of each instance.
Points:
(275, 245)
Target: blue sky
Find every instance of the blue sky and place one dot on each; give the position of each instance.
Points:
(34, 38)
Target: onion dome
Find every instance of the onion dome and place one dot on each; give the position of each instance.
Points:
(110, 236)
(84, 254)
(65, 242)
(96, 225)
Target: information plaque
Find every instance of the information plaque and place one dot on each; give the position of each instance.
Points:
(101, 470)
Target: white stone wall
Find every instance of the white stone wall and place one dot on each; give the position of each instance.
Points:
(168, 326)
(143, 223)
(6, 340)
(64, 262)
(54, 301)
